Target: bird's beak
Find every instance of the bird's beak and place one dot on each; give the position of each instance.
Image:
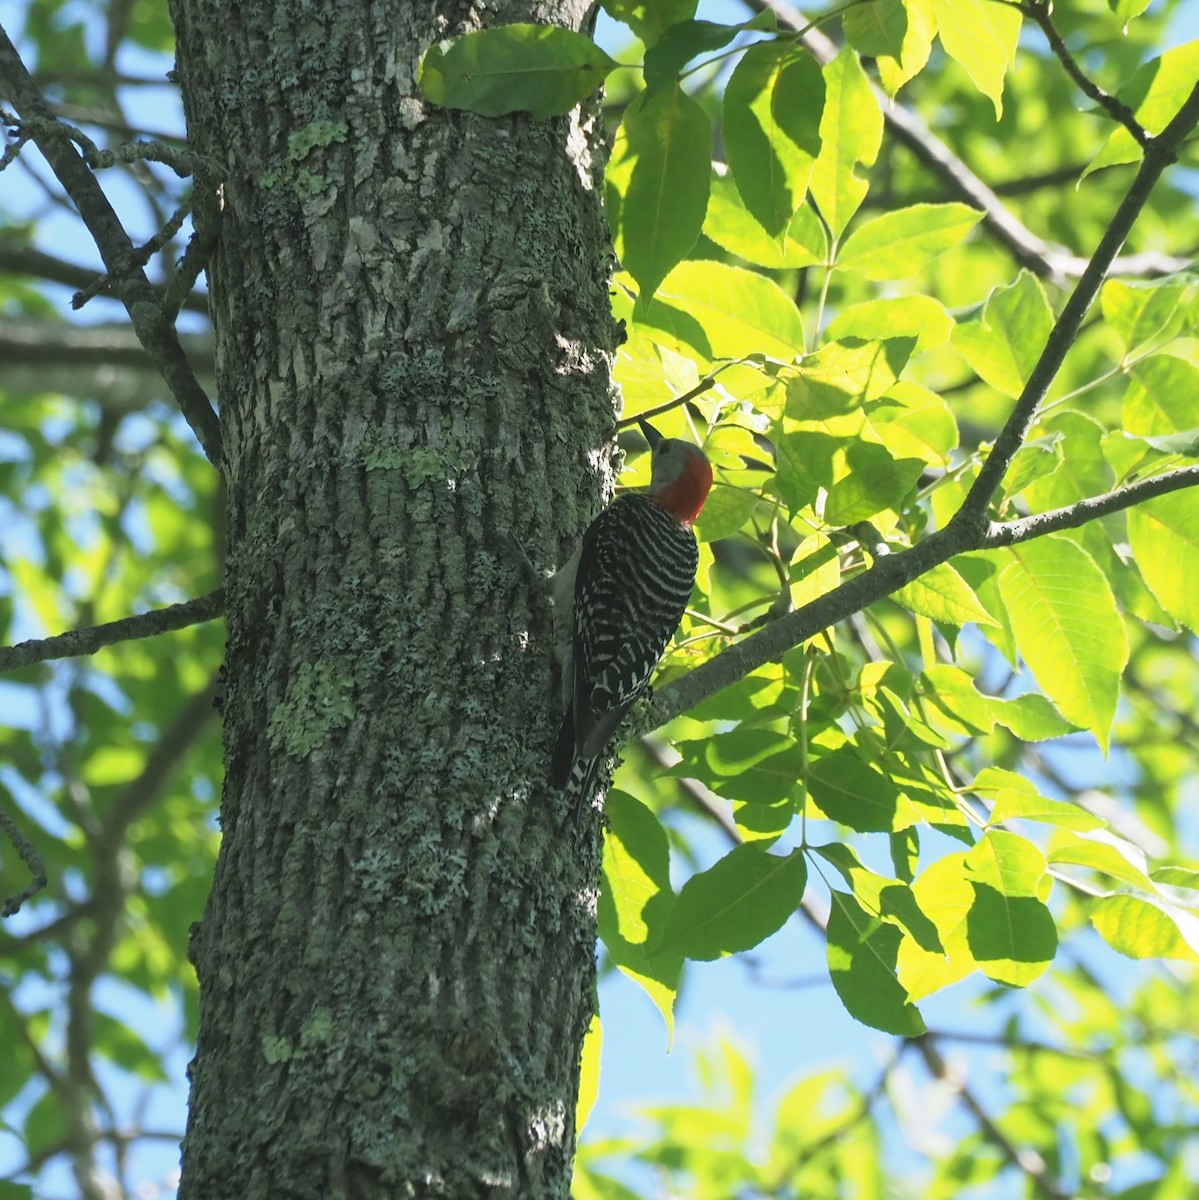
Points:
(651, 434)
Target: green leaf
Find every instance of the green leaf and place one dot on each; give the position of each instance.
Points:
(1032, 718)
(913, 422)
(856, 793)
(1103, 851)
(918, 317)
(734, 228)
(539, 69)
(942, 595)
(724, 311)
(1083, 470)
(1143, 312)
(882, 897)
(1159, 400)
(1016, 799)
(735, 905)
(957, 705)
(754, 765)
(658, 183)
(945, 895)
(1012, 938)
(636, 900)
(1010, 864)
(873, 482)
(862, 951)
(688, 39)
(1141, 928)
(1155, 93)
(851, 132)
(902, 242)
(772, 109)
(1068, 629)
(982, 37)
(898, 34)
(1185, 444)
(1126, 10)
(589, 1071)
(843, 376)
(1164, 535)
(650, 19)
(725, 512)
(1004, 342)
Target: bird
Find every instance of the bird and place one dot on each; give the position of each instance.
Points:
(618, 601)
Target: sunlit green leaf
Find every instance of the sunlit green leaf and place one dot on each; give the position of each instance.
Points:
(982, 37)
(1155, 93)
(658, 183)
(904, 241)
(851, 132)
(772, 108)
(650, 19)
(1164, 534)
(1141, 928)
(942, 595)
(1004, 341)
(1068, 629)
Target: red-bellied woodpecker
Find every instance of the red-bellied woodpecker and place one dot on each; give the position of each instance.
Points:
(618, 601)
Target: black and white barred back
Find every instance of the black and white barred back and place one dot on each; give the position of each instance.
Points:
(635, 575)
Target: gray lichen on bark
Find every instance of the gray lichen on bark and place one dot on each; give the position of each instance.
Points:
(413, 343)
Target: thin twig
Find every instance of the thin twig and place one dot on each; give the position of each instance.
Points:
(139, 257)
(1116, 109)
(704, 385)
(157, 334)
(95, 637)
(22, 259)
(1162, 151)
(1024, 1159)
(30, 857)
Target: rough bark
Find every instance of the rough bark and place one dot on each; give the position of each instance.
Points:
(413, 343)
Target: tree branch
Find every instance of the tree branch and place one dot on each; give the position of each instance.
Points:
(1116, 109)
(20, 259)
(1009, 533)
(29, 341)
(1161, 152)
(156, 333)
(30, 857)
(96, 637)
(969, 529)
(1026, 248)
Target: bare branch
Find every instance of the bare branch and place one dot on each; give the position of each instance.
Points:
(140, 257)
(1162, 151)
(96, 637)
(157, 334)
(1009, 533)
(51, 343)
(22, 259)
(1116, 109)
(30, 857)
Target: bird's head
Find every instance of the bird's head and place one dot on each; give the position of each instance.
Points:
(681, 475)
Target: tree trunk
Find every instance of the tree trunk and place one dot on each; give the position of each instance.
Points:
(413, 342)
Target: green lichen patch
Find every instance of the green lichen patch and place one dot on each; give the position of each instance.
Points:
(317, 703)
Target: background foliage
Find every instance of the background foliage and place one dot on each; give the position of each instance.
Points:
(852, 294)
